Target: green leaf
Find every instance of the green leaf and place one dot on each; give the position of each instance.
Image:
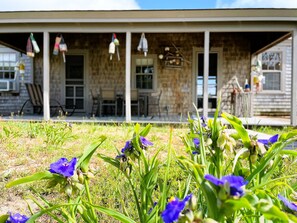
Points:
(270, 211)
(146, 130)
(233, 205)
(237, 125)
(84, 160)
(114, 162)
(35, 177)
(3, 218)
(112, 213)
(238, 154)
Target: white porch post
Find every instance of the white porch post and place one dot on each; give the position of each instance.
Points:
(294, 79)
(46, 77)
(205, 73)
(128, 77)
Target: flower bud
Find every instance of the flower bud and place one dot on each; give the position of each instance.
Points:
(81, 177)
(90, 175)
(253, 158)
(221, 140)
(193, 203)
(68, 190)
(245, 155)
(189, 216)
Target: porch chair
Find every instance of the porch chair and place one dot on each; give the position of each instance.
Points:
(36, 100)
(108, 99)
(134, 95)
(154, 101)
(96, 103)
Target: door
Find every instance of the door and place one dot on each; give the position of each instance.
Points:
(212, 81)
(74, 82)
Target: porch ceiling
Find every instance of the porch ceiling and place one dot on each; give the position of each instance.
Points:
(259, 41)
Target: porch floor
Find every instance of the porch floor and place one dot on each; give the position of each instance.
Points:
(256, 120)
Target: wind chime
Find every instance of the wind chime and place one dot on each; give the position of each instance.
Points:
(143, 44)
(32, 46)
(60, 46)
(114, 46)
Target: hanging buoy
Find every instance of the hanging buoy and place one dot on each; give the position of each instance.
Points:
(56, 46)
(144, 45)
(111, 50)
(29, 48)
(63, 48)
(34, 43)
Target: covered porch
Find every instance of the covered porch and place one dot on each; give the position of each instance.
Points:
(214, 48)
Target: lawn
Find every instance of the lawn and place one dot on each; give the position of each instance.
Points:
(29, 147)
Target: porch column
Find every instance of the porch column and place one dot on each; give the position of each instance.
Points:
(46, 77)
(206, 74)
(128, 77)
(294, 79)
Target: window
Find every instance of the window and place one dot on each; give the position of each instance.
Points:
(7, 65)
(145, 73)
(272, 70)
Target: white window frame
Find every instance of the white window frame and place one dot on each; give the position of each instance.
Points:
(155, 74)
(11, 65)
(282, 72)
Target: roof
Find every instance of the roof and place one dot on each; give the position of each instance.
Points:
(136, 16)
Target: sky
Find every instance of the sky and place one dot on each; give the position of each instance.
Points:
(32, 5)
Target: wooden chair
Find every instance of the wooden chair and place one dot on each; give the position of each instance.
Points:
(134, 101)
(96, 103)
(154, 101)
(36, 100)
(108, 99)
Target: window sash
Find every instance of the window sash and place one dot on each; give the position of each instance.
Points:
(7, 65)
(272, 81)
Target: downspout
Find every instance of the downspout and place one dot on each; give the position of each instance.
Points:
(46, 77)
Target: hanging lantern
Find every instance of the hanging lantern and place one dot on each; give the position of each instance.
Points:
(63, 48)
(34, 43)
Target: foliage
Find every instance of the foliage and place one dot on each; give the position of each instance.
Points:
(224, 176)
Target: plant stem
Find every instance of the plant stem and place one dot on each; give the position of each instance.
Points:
(90, 200)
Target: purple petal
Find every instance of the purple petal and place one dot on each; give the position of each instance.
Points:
(63, 167)
(196, 142)
(234, 181)
(273, 139)
(287, 203)
(213, 179)
(145, 142)
(128, 146)
(263, 141)
(174, 208)
(17, 218)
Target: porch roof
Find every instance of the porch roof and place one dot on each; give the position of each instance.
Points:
(140, 16)
(264, 27)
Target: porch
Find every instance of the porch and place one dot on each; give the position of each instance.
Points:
(172, 120)
(209, 50)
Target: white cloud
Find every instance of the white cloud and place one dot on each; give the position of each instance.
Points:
(27, 5)
(256, 4)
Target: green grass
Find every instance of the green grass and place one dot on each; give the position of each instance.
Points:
(27, 148)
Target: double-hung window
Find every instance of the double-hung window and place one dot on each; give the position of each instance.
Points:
(272, 69)
(7, 65)
(144, 70)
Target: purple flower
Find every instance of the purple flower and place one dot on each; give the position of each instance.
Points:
(174, 208)
(269, 141)
(128, 146)
(196, 142)
(122, 157)
(236, 183)
(17, 218)
(144, 142)
(63, 167)
(292, 206)
(203, 119)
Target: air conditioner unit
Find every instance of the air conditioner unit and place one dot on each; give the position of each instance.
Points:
(8, 85)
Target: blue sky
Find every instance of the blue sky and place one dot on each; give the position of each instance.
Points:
(28, 5)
